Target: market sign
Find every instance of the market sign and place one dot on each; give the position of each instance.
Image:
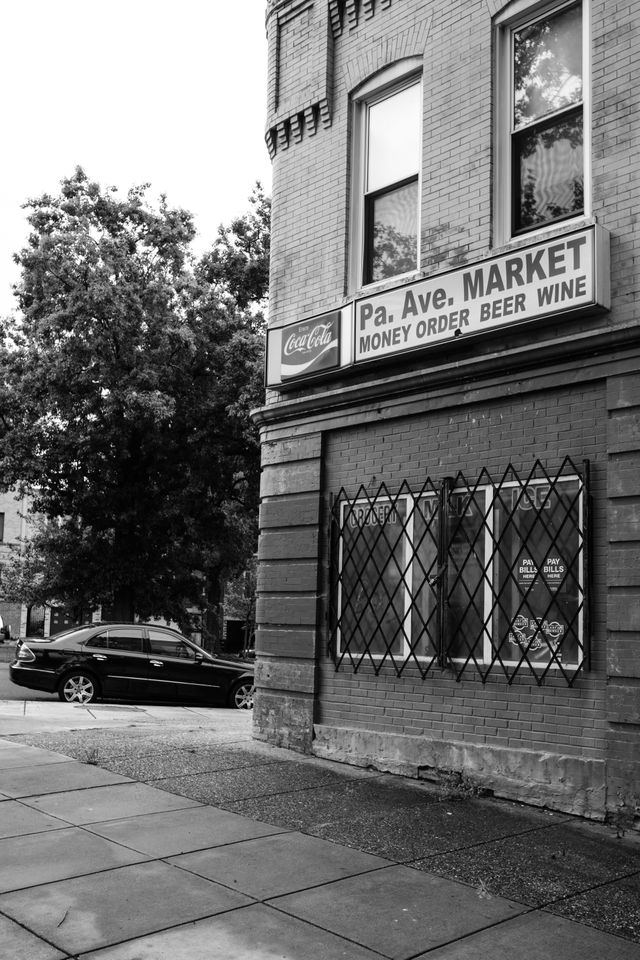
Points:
(566, 273)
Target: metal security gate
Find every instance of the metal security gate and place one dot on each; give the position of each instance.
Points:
(485, 574)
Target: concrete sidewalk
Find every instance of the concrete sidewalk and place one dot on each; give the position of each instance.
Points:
(167, 833)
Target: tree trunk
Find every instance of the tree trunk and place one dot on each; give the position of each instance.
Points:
(212, 615)
(123, 607)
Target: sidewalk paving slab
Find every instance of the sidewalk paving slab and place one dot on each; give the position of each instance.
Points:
(18, 820)
(254, 933)
(28, 717)
(273, 866)
(537, 936)
(178, 831)
(397, 911)
(102, 909)
(16, 943)
(45, 857)
(15, 756)
(96, 804)
(55, 778)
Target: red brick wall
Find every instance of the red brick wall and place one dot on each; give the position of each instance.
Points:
(566, 422)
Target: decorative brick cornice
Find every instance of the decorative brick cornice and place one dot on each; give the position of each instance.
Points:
(348, 14)
(300, 94)
(300, 71)
(273, 5)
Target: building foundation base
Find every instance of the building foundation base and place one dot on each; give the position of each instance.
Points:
(570, 784)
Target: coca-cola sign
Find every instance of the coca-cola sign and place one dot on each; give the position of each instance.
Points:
(310, 346)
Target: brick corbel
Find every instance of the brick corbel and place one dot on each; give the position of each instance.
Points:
(297, 100)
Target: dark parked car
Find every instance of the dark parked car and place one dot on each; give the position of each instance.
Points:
(131, 661)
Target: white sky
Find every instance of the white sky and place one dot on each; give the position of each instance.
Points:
(134, 91)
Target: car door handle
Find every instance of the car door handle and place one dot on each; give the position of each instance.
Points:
(156, 663)
(98, 656)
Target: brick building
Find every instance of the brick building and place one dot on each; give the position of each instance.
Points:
(13, 530)
(450, 524)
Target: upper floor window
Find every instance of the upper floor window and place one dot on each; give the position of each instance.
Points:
(385, 215)
(541, 117)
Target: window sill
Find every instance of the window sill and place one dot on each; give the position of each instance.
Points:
(543, 233)
(379, 286)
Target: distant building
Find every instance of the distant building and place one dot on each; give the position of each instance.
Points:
(450, 521)
(13, 530)
(24, 619)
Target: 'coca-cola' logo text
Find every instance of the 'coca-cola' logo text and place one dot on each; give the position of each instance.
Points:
(315, 339)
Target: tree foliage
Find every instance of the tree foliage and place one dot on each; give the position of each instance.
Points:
(129, 374)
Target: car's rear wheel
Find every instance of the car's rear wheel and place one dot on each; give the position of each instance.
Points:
(78, 688)
(241, 697)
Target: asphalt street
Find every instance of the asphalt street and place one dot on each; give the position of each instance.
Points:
(9, 691)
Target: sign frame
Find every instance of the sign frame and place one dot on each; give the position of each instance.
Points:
(275, 366)
(381, 332)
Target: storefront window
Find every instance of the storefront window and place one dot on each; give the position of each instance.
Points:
(468, 548)
(372, 584)
(490, 575)
(425, 626)
(538, 573)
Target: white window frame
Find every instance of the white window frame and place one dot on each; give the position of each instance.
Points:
(490, 642)
(493, 571)
(513, 18)
(390, 81)
(406, 565)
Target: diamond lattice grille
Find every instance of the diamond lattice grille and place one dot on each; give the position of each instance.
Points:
(486, 574)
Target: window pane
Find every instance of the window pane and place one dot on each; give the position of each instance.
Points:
(392, 233)
(538, 589)
(394, 139)
(372, 607)
(125, 640)
(548, 65)
(466, 579)
(424, 610)
(549, 172)
(165, 646)
(99, 641)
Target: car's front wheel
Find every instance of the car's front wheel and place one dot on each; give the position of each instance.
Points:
(241, 697)
(78, 688)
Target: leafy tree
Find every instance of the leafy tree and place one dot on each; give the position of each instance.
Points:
(239, 261)
(129, 375)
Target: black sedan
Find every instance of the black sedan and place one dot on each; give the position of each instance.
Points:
(131, 661)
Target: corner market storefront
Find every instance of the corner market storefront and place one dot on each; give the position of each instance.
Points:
(436, 529)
